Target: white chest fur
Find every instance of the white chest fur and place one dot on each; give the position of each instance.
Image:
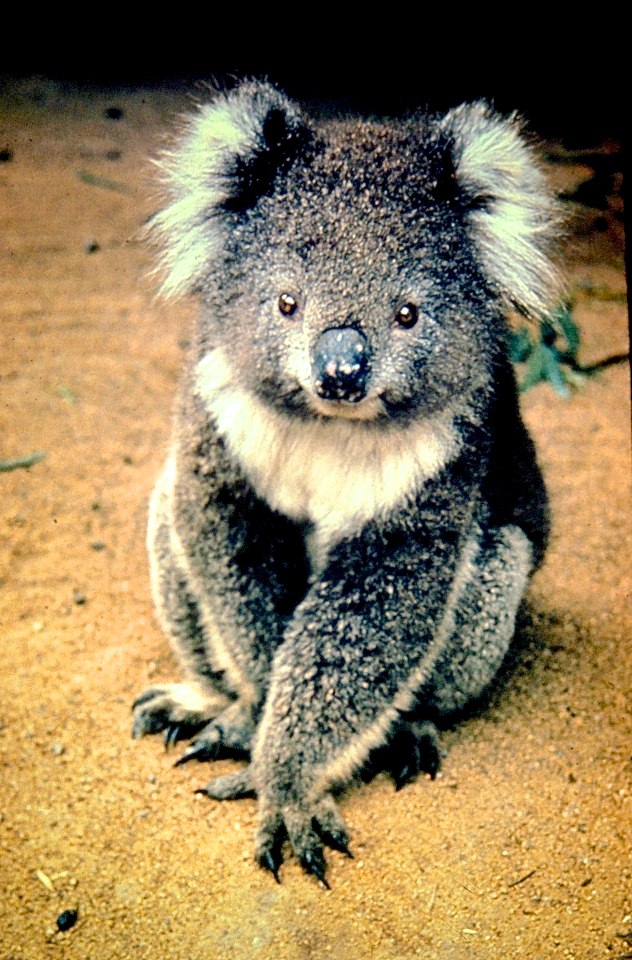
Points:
(338, 474)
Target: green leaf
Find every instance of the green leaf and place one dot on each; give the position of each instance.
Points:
(18, 463)
(563, 320)
(552, 370)
(534, 369)
(520, 345)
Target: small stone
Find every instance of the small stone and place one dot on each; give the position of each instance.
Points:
(97, 545)
(114, 113)
(67, 919)
(79, 597)
(58, 749)
(91, 246)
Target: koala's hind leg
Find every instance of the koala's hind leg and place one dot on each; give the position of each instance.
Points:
(484, 608)
(174, 598)
(178, 709)
(231, 731)
(486, 603)
(413, 748)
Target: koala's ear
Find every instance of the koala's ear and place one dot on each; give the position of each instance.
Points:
(227, 157)
(514, 215)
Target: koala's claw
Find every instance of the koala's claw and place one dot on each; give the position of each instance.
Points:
(403, 776)
(267, 861)
(146, 723)
(337, 841)
(313, 861)
(414, 750)
(432, 765)
(178, 710)
(307, 833)
(228, 732)
(206, 749)
(172, 734)
(269, 845)
(330, 827)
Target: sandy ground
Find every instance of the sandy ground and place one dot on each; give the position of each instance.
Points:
(519, 849)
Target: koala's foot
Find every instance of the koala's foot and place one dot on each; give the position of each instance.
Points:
(177, 709)
(230, 732)
(308, 827)
(414, 749)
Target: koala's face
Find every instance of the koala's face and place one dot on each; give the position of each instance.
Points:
(352, 269)
(354, 289)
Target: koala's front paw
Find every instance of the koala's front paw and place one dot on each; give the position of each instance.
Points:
(308, 826)
(177, 709)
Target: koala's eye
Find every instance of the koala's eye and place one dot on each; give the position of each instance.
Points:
(288, 304)
(407, 316)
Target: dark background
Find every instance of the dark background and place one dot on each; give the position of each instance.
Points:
(565, 78)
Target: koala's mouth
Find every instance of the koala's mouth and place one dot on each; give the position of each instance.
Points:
(370, 408)
(299, 400)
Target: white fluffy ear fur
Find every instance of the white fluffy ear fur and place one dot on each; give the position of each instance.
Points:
(518, 217)
(196, 178)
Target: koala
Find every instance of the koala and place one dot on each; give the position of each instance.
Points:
(351, 508)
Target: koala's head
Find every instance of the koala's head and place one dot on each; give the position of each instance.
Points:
(355, 269)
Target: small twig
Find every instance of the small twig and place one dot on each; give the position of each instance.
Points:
(45, 879)
(515, 883)
(599, 365)
(21, 462)
(465, 888)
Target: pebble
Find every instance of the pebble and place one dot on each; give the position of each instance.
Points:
(67, 919)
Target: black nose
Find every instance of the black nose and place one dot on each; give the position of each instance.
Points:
(341, 364)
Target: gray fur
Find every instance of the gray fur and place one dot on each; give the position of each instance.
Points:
(339, 545)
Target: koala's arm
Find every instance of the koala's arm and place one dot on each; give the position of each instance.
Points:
(361, 644)
(425, 600)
